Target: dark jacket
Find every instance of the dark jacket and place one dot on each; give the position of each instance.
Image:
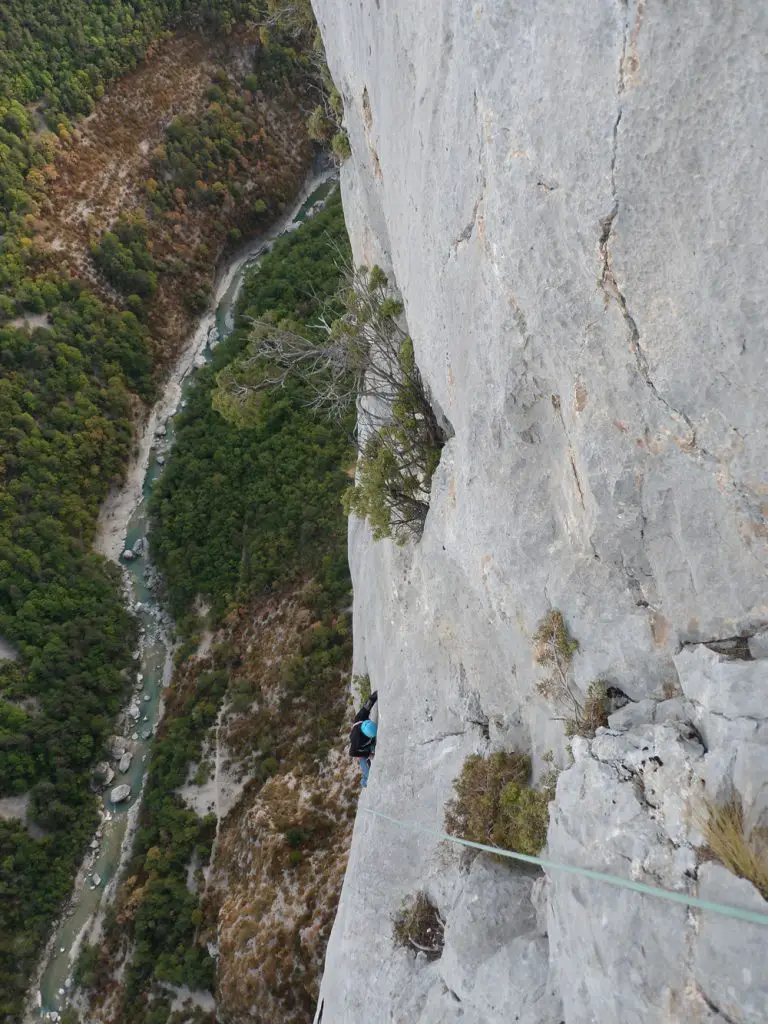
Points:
(361, 745)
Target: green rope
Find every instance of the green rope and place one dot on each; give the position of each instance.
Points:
(753, 916)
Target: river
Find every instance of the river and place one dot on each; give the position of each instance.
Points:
(124, 523)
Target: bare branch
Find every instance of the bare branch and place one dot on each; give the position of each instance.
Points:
(361, 359)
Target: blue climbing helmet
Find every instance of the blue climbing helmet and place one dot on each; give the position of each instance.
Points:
(368, 728)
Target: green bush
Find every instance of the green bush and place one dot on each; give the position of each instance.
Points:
(402, 448)
(554, 645)
(340, 145)
(319, 126)
(295, 837)
(398, 460)
(362, 684)
(495, 805)
(124, 258)
(359, 359)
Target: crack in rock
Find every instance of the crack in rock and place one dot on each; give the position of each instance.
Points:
(608, 282)
(726, 1018)
(443, 736)
(735, 648)
(705, 709)
(556, 405)
(465, 235)
(749, 503)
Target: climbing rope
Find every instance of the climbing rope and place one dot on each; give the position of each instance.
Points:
(753, 916)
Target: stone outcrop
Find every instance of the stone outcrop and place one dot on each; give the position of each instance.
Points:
(117, 746)
(569, 199)
(104, 773)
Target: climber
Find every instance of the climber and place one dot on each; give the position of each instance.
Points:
(362, 737)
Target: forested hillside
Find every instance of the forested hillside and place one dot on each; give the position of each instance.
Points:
(107, 250)
(240, 511)
(65, 53)
(249, 518)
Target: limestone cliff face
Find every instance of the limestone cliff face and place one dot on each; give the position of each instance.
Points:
(571, 200)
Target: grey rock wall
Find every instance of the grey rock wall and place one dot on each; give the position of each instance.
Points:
(571, 199)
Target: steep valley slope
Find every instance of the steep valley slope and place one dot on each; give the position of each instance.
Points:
(166, 148)
(111, 228)
(232, 881)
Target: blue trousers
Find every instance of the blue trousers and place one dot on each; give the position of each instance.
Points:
(365, 767)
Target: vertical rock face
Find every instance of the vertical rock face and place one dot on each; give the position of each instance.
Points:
(571, 200)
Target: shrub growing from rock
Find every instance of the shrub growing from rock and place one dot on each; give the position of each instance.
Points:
(361, 356)
(398, 460)
(418, 927)
(319, 125)
(362, 686)
(554, 648)
(340, 145)
(495, 804)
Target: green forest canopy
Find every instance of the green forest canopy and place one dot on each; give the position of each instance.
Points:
(64, 53)
(240, 511)
(67, 385)
(284, 477)
(64, 437)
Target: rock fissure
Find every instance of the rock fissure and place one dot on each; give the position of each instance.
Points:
(747, 501)
(612, 290)
(721, 714)
(734, 648)
(725, 1018)
(643, 473)
(466, 233)
(441, 737)
(557, 406)
(608, 281)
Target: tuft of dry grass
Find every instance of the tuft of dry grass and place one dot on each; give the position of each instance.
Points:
(592, 714)
(746, 855)
(418, 927)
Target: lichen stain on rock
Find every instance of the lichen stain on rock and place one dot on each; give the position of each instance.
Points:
(659, 629)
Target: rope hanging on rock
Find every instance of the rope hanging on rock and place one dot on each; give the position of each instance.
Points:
(753, 916)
